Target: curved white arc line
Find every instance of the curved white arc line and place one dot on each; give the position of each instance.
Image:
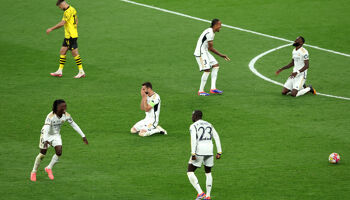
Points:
(252, 68)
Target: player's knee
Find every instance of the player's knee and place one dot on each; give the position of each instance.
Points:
(207, 169)
(43, 151)
(217, 66)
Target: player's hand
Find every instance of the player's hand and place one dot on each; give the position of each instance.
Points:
(293, 74)
(278, 71)
(46, 143)
(48, 30)
(194, 157)
(143, 94)
(85, 140)
(226, 58)
(218, 156)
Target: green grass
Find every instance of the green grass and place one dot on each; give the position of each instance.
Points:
(275, 147)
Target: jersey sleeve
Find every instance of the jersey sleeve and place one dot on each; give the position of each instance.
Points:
(210, 36)
(69, 118)
(217, 140)
(306, 55)
(66, 15)
(48, 120)
(193, 133)
(154, 102)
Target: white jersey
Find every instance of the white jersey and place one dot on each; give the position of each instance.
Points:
(202, 133)
(202, 43)
(153, 114)
(55, 122)
(299, 56)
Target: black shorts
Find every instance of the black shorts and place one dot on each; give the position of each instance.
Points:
(71, 43)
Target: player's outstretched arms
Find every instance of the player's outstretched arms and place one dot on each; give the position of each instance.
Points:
(212, 49)
(59, 25)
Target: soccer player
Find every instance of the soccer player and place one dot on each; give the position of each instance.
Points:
(150, 103)
(202, 133)
(295, 84)
(205, 60)
(50, 136)
(70, 23)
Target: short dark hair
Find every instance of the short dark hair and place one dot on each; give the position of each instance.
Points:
(147, 84)
(59, 2)
(198, 114)
(55, 104)
(302, 38)
(213, 22)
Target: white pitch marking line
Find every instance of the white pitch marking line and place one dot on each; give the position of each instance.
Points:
(252, 68)
(232, 27)
(253, 32)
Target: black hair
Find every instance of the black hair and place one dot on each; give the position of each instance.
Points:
(59, 2)
(213, 22)
(55, 104)
(302, 38)
(197, 114)
(147, 84)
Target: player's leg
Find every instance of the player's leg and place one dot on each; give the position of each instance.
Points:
(77, 58)
(57, 144)
(152, 130)
(299, 88)
(38, 158)
(208, 164)
(138, 126)
(288, 86)
(194, 181)
(214, 74)
(63, 52)
(204, 66)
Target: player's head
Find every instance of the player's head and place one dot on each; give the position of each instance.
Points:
(216, 25)
(197, 115)
(147, 87)
(299, 41)
(61, 4)
(59, 106)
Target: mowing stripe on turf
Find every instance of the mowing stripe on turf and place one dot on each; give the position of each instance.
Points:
(252, 68)
(233, 27)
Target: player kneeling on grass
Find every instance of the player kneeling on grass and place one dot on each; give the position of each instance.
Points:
(205, 60)
(202, 133)
(50, 136)
(150, 103)
(295, 84)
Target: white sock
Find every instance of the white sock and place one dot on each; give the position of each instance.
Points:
(59, 71)
(38, 159)
(203, 81)
(214, 75)
(209, 183)
(194, 181)
(54, 160)
(303, 91)
(81, 71)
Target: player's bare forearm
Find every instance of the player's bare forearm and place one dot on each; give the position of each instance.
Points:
(141, 105)
(212, 49)
(57, 26)
(291, 64)
(306, 66)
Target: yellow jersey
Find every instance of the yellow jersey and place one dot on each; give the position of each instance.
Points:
(70, 27)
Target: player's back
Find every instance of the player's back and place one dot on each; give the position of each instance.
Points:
(204, 134)
(202, 43)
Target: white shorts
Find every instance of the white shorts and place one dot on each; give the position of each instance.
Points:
(54, 140)
(206, 61)
(145, 124)
(296, 82)
(207, 161)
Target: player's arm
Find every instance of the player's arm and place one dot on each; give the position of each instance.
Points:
(193, 133)
(57, 26)
(143, 95)
(151, 104)
(217, 143)
(45, 130)
(306, 66)
(212, 49)
(291, 64)
(78, 130)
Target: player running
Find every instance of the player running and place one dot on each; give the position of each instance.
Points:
(296, 81)
(70, 23)
(202, 133)
(50, 136)
(150, 103)
(205, 60)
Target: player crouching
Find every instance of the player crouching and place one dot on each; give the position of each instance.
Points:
(150, 103)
